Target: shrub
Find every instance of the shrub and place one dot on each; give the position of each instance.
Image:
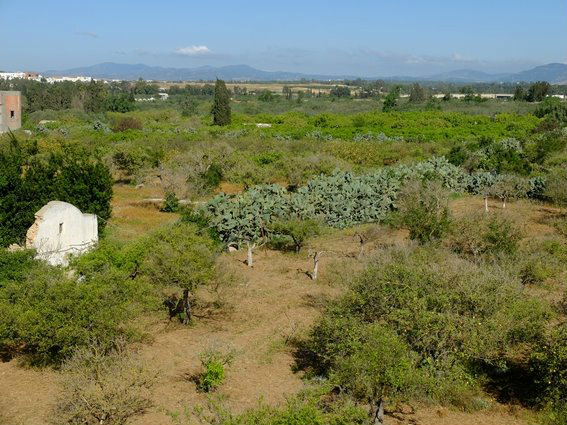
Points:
(380, 366)
(127, 123)
(298, 230)
(483, 234)
(15, 265)
(103, 387)
(171, 203)
(424, 210)
(549, 366)
(47, 315)
(451, 315)
(177, 255)
(213, 362)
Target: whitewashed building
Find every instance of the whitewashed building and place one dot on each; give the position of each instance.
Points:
(60, 230)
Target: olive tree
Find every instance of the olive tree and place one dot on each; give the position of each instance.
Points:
(380, 367)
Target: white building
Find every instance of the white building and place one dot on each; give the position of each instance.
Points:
(72, 79)
(60, 230)
(12, 75)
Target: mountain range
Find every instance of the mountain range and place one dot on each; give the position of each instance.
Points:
(555, 73)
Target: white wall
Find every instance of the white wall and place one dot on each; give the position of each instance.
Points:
(60, 230)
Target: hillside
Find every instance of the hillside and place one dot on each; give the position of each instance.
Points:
(554, 73)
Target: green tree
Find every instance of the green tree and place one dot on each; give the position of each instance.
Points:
(519, 93)
(538, 91)
(95, 97)
(69, 176)
(287, 93)
(298, 230)
(188, 106)
(391, 100)
(379, 367)
(340, 91)
(417, 93)
(221, 104)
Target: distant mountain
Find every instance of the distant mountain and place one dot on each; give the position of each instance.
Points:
(121, 71)
(554, 73)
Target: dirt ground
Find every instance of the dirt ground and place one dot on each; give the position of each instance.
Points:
(269, 304)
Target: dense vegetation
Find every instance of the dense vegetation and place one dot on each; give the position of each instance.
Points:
(446, 317)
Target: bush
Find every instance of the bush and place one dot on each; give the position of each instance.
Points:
(15, 265)
(178, 256)
(47, 315)
(481, 234)
(171, 203)
(103, 387)
(310, 407)
(127, 123)
(424, 210)
(453, 316)
(297, 230)
(549, 366)
(213, 362)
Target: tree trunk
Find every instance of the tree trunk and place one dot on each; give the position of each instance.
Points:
(361, 250)
(486, 203)
(504, 203)
(315, 266)
(249, 260)
(378, 412)
(186, 307)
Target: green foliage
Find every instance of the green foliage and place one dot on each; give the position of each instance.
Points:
(479, 235)
(310, 407)
(127, 123)
(549, 366)
(267, 96)
(552, 108)
(340, 91)
(46, 315)
(15, 265)
(100, 385)
(171, 203)
(556, 186)
(188, 106)
(443, 317)
(221, 104)
(380, 366)
(391, 100)
(120, 103)
(417, 93)
(178, 256)
(538, 91)
(424, 210)
(29, 180)
(298, 230)
(213, 363)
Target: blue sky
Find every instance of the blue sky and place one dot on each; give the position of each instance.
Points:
(359, 37)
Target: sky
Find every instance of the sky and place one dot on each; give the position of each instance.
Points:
(356, 37)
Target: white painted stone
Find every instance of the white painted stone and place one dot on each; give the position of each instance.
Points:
(61, 230)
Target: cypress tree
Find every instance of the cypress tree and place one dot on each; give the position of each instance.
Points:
(221, 104)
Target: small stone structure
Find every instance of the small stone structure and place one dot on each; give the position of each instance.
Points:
(10, 111)
(61, 230)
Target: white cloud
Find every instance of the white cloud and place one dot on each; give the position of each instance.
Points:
(193, 51)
